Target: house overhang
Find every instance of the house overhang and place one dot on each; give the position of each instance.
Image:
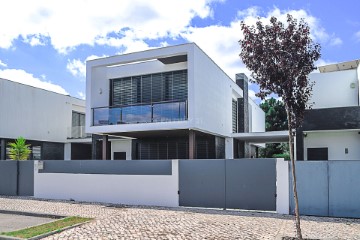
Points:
(263, 137)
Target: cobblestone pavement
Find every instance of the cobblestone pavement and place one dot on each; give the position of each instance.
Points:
(130, 222)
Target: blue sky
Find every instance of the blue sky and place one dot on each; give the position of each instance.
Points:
(46, 43)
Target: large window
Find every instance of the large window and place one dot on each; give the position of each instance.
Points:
(78, 125)
(152, 88)
(234, 116)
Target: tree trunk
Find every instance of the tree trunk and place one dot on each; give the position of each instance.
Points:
(291, 148)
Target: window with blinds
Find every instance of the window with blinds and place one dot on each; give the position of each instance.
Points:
(234, 116)
(151, 88)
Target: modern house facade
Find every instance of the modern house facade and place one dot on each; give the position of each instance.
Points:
(331, 128)
(167, 103)
(52, 123)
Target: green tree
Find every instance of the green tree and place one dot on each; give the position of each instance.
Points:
(275, 120)
(19, 150)
(275, 115)
(281, 57)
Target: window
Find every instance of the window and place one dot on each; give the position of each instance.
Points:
(317, 154)
(234, 116)
(36, 152)
(158, 87)
(78, 125)
(78, 119)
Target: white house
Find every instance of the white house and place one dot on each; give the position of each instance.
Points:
(52, 123)
(331, 129)
(167, 103)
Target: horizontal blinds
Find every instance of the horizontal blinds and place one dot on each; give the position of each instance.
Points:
(234, 116)
(159, 87)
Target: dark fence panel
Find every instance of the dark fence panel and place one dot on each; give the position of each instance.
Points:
(138, 167)
(202, 183)
(251, 184)
(344, 189)
(8, 180)
(26, 178)
(241, 184)
(328, 188)
(312, 187)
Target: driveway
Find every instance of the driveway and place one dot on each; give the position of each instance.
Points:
(10, 222)
(125, 222)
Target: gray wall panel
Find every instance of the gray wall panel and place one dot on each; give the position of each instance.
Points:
(202, 183)
(344, 189)
(312, 186)
(138, 167)
(8, 178)
(26, 178)
(251, 184)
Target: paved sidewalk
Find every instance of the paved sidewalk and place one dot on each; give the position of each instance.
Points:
(126, 222)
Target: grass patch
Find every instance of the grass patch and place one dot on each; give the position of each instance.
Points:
(46, 228)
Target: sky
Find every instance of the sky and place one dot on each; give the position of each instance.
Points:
(45, 43)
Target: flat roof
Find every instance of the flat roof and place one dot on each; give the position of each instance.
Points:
(263, 137)
(340, 66)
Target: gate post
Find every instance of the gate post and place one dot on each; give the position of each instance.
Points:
(282, 186)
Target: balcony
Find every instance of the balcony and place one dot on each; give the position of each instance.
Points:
(77, 132)
(141, 113)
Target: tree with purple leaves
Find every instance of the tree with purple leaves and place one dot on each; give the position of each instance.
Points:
(281, 56)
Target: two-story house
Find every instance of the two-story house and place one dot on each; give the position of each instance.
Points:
(53, 124)
(331, 128)
(167, 103)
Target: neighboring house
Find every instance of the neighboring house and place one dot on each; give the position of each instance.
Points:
(331, 129)
(167, 103)
(52, 123)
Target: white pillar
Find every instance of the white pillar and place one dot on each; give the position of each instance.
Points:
(67, 151)
(229, 148)
(282, 186)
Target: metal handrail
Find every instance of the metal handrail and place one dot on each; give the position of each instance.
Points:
(142, 104)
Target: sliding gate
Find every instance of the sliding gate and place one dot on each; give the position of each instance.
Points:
(237, 184)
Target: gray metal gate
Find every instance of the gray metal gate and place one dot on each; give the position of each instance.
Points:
(239, 184)
(9, 177)
(327, 188)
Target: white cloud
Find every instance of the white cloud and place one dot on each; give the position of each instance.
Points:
(357, 36)
(81, 95)
(335, 41)
(67, 24)
(77, 68)
(20, 76)
(2, 64)
(225, 50)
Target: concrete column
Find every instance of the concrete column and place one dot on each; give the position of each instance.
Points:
(67, 151)
(191, 144)
(282, 186)
(104, 147)
(229, 148)
(243, 103)
(3, 149)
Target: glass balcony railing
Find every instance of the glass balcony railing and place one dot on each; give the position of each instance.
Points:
(77, 132)
(145, 113)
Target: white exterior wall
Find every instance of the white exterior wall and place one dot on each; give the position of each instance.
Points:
(336, 142)
(212, 96)
(257, 118)
(35, 113)
(358, 80)
(333, 89)
(154, 190)
(121, 146)
(98, 73)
